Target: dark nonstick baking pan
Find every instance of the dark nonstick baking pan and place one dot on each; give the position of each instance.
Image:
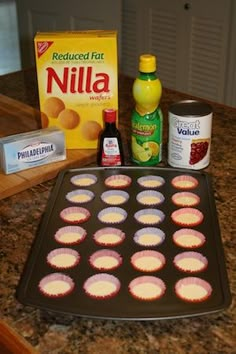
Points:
(172, 290)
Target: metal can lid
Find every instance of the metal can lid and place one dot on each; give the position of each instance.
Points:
(190, 108)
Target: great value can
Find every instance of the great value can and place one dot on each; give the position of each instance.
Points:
(190, 124)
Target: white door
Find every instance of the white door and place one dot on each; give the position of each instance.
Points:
(208, 48)
(49, 15)
(157, 27)
(190, 39)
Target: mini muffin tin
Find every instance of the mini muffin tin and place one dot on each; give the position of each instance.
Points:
(167, 244)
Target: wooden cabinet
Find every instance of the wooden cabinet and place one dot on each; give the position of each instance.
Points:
(190, 39)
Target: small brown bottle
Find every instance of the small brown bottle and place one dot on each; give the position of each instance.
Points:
(110, 151)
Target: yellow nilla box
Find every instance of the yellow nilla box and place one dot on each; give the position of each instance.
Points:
(77, 79)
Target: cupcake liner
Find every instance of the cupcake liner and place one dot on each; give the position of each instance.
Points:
(84, 180)
(114, 197)
(149, 237)
(112, 215)
(63, 258)
(190, 262)
(70, 235)
(149, 216)
(56, 285)
(188, 238)
(193, 289)
(184, 182)
(147, 288)
(148, 261)
(185, 199)
(75, 215)
(151, 181)
(105, 260)
(109, 236)
(118, 181)
(150, 197)
(187, 217)
(102, 286)
(80, 196)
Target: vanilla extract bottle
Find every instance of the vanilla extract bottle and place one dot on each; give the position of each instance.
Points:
(110, 151)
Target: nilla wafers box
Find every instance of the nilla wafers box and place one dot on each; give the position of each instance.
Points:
(77, 79)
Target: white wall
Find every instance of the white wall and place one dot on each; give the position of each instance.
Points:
(230, 92)
(9, 53)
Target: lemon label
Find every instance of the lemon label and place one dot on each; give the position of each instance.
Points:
(146, 135)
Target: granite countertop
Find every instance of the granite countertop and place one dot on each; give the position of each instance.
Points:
(20, 217)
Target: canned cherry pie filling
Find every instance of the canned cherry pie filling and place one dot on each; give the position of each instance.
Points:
(190, 125)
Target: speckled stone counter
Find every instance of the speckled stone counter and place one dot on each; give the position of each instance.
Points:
(20, 217)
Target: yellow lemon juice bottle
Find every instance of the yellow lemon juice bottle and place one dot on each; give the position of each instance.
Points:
(146, 131)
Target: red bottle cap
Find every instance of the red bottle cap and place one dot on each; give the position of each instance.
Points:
(109, 115)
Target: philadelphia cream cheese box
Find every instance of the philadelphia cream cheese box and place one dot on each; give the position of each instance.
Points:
(26, 150)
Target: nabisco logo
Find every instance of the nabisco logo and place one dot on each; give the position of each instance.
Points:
(42, 47)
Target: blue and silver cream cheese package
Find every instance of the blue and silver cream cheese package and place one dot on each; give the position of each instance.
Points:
(36, 148)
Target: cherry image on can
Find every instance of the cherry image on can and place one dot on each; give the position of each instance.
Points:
(198, 151)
